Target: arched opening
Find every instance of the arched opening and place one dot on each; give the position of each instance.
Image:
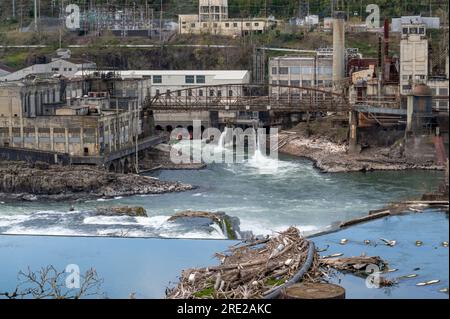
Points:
(126, 166)
(159, 128)
(112, 167)
(169, 128)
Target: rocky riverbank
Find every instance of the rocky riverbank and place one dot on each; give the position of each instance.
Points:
(40, 181)
(332, 156)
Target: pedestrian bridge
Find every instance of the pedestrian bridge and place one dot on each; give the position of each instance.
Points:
(249, 97)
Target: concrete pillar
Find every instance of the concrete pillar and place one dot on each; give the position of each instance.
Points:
(66, 137)
(52, 143)
(36, 136)
(338, 46)
(409, 112)
(81, 140)
(353, 136)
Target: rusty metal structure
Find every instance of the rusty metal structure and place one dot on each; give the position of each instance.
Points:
(249, 97)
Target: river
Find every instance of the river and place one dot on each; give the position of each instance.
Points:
(264, 199)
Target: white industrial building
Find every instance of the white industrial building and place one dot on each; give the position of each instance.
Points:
(413, 56)
(167, 81)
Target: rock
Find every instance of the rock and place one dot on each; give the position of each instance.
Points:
(52, 182)
(229, 225)
(136, 211)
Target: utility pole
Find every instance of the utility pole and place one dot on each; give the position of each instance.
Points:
(160, 21)
(35, 16)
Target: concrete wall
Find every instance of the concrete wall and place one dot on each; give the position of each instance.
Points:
(14, 154)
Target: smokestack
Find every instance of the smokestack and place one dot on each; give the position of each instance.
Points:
(338, 46)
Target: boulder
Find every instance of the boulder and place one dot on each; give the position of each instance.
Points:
(136, 211)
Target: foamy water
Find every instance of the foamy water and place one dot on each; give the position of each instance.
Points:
(266, 194)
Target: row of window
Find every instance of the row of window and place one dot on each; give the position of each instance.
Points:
(188, 79)
(227, 25)
(413, 30)
(57, 69)
(301, 70)
(304, 83)
(199, 92)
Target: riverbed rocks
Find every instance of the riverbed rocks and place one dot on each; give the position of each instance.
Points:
(25, 181)
(229, 225)
(136, 211)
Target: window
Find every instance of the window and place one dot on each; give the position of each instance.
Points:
(179, 93)
(256, 24)
(443, 91)
(215, 25)
(227, 25)
(211, 92)
(157, 79)
(284, 82)
(200, 79)
(192, 25)
(189, 92)
(283, 70)
(230, 93)
(295, 83)
(274, 70)
(219, 93)
(295, 70)
(274, 82)
(205, 25)
(405, 31)
(168, 92)
(248, 24)
(65, 69)
(235, 25)
(413, 30)
(421, 30)
(200, 92)
(157, 92)
(189, 79)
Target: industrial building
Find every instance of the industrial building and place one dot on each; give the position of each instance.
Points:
(212, 18)
(304, 71)
(413, 57)
(167, 81)
(66, 67)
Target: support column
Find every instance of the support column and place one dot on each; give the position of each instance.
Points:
(66, 137)
(82, 140)
(36, 136)
(353, 137)
(52, 138)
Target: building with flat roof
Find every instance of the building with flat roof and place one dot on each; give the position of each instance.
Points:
(304, 71)
(212, 18)
(65, 67)
(413, 57)
(166, 81)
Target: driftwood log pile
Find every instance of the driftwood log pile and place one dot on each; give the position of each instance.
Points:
(250, 270)
(259, 268)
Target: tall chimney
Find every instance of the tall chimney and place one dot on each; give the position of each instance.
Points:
(338, 46)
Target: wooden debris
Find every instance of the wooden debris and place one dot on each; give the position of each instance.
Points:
(354, 264)
(250, 270)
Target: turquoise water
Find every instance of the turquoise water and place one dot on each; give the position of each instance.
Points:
(147, 266)
(264, 200)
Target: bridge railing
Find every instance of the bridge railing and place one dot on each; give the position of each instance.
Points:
(249, 97)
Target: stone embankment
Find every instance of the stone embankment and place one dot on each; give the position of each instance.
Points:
(25, 181)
